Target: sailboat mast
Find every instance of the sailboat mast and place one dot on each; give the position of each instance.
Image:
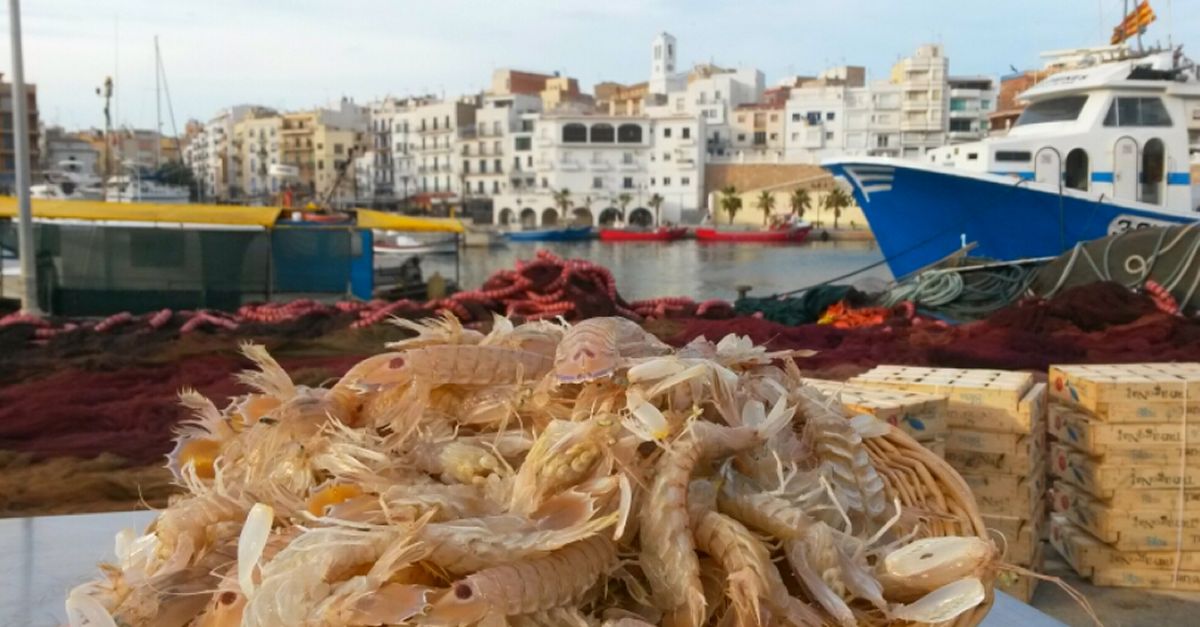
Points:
(157, 108)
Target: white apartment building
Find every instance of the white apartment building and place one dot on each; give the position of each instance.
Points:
(611, 168)
(432, 131)
(972, 101)
(62, 148)
(489, 153)
(840, 113)
(210, 156)
(256, 149)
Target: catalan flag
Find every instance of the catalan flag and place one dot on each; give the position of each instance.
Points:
(1134, 23)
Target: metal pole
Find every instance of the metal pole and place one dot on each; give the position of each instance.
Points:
(25, 244)
(157, 110)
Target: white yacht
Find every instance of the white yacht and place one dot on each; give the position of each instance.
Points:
(68, 181)
(1105, 146)
(126, 188)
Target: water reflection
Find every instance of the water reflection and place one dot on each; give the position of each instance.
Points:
(689, 268)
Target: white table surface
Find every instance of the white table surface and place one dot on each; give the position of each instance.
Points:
(44, 557)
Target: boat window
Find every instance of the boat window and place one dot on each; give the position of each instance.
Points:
(1153, 160)
(1013, 155)
(1076, 174)
(1130, 111)
(1063, 109)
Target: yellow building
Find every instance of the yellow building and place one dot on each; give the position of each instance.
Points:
(334, 148)
(296, 148)
(256, 141)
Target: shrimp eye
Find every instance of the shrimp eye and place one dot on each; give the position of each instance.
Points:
(463, 591)
(396, 363)
(227, 597)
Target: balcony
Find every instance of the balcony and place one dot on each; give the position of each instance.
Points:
(597, 165)
(629, 166)
(545, 166)
(566, 165)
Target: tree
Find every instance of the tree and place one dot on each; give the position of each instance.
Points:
(799, 201)
(562, 198)
(766, 204)
(624, 200)
(731, 203)
(837, 200)
(177, 173)
(655, 203)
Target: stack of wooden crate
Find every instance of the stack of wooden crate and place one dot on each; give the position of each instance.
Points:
(996, 439)
(1126, 491)
(923, 416)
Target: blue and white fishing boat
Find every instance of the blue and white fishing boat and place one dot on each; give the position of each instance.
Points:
(1101, 148)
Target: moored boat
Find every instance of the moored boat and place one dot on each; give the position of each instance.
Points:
(789, 235)
(1102, 148)
(661, 234)
(568, 234)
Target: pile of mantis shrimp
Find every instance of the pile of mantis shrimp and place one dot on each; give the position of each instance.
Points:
(540, 474)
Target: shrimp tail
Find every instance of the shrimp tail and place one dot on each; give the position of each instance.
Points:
(270, 378)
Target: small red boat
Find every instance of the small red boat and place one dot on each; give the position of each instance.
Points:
(789, 235)
(661, 234)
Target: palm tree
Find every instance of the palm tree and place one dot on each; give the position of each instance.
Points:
(731, 203)
(766, 204)
(624, 200)
(656, 202)
(837, 200)
(799, 201)
(562, 198)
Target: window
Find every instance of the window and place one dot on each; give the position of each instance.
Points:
(666, 156)
(1076, 175)
(435, 128)
(829, 135)
(741, 137)
(483, 165)
(666, 131)
(338, 149)
(960, 126)
(320, 164)
(774, 117)
(972, 156)
(447, 126)
(1013, 155)
(495, 187)
(597, 182)
(685, 181)
(523, 143)
(958, 104)
(717, 95)
(529, 160)
(741, 119)
(881, 141)
(829, 115)
(545, 183)
(795, 117)
(666, 181)
(795, 136)
(602, 134)
(1063, 109)
(760, 138)
(466, 167)
(574, 134)
(629, 134)
(774, 136)
(686, 132)
(496, 129)
(320, 146)
(479, 187)
(1128, 111)
(627, 158)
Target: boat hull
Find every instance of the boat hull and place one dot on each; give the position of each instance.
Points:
(782, 236)
(662, 234)
(551, 235)
(921, 214)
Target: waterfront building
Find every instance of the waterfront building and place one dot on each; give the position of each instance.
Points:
(8, 149)
(210, 154)
(972, 101)
(493, 159)
(433, 130)
(256, 141)
(610, 168)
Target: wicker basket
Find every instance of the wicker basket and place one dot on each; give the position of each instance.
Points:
(919, 478)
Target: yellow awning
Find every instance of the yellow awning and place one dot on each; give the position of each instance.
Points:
(144, 212)
(371, 219)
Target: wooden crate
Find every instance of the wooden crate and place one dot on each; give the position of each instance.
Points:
(923, 416)
(1104, 481)
(1022, 586)
(1001, 389)
(1010, 494)
(986, 451)
(1129, 499)
(1017, 536)
(1086, 554)
(1130, 393)
(1141, 444)
(1137, 529)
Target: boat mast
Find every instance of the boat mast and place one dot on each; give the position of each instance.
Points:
(157, 109)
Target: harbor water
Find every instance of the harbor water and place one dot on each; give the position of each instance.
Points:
(684, 268)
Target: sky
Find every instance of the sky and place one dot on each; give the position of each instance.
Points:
(292, 54)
